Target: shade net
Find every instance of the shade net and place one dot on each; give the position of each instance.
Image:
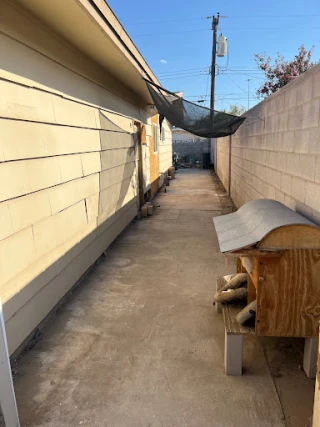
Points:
(191, 117)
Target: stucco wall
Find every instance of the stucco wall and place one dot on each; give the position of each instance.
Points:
(68, 167)
(276, 152)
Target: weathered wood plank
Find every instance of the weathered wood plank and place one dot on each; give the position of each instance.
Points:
(292, 237)
(288, 294)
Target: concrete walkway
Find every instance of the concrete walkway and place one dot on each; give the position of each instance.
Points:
(139, 344)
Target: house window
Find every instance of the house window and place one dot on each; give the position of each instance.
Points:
(155, 138)
(163, 134)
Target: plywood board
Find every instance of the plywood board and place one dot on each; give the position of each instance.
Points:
(288, 294)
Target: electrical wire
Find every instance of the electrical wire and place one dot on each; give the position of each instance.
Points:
(235, 83)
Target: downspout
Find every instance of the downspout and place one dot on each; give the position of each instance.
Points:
(229, 180)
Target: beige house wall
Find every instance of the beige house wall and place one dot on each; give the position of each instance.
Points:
(276, 152)
(68, 166)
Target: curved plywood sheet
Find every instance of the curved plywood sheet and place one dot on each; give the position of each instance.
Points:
(257, 219)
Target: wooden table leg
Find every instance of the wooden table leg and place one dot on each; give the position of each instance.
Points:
(310, 357)
(233, 354)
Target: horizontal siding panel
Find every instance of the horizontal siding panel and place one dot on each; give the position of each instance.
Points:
(74, 114)
(57, 229)
(91, 163)
(17, 252)
(112, 195)
(24, 103)
(23, 140)
(27, 176)
(112, 176)
(112, 140)
(115, 122)
(67, 194)
(113, 158)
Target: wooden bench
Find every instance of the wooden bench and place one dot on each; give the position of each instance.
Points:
(280, 251)
(234, 332)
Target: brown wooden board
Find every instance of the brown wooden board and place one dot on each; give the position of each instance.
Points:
(292, 237)
(288, 294)
(230, 312)
(252, 294)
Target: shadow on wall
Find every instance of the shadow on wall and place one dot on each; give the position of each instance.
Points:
(87, 82)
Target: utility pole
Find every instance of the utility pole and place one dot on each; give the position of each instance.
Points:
(215, 22)
(249, 94)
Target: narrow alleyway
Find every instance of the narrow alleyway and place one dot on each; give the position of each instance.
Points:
(139, 343)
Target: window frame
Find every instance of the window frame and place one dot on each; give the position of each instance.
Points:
(155, 139)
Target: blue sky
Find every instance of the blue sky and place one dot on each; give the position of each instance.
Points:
(175, 39)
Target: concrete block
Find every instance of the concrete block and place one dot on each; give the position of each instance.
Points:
(290, 202)
(298, 189)
(16, 253)
(314, 140)
(286, 183)
(301, 141)
(271, 192)
(281, 163)
(295, 118)
(287, 141)
(144, 211)
(283, 121)
(307, 167)
(310, 114)
(304, 89)
(91, 163)
(312, 196)
(150, 209)
(57, 229)
(310, 356)
(316, 84)
(292, 164)
(290, 98)
(317, 174)
(279, 196)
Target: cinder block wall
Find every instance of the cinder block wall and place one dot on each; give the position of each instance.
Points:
(276, 152)
(191, 149)
(68, 167)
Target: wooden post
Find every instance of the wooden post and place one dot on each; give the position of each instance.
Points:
(7, 397)
(316, 408)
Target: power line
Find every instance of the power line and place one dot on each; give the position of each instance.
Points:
(235, 83)
(165, 22)
(230, 16)
(168, 34)
(226, 29)
(184, 76)
(175, 73)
